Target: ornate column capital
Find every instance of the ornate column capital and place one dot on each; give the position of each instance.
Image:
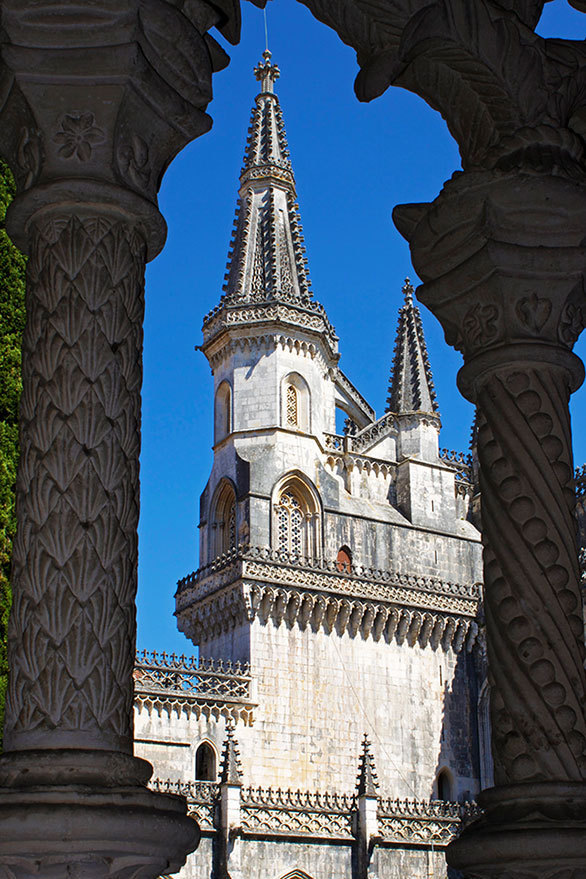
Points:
(96, 100)
(503, 263)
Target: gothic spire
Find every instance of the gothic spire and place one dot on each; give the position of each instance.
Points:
(367, 783)
(267, 261)
(230, 771)
(411, 384)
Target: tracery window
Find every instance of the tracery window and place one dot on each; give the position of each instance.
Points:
(290, 518)
(297, 519)
(291, 406)
(295, 402)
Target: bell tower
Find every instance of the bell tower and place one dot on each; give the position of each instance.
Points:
(343, 568)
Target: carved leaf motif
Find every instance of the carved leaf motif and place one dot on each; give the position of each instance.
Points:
(534, 312)
(176, 50)
(479, 325)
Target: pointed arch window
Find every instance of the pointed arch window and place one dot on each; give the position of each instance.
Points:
(205, 763)
(444, 786)
(224, 523)
(223, 412)
(291, 406)
(295, 403)
(297, 519)
(344, 560)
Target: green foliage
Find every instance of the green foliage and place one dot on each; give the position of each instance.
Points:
(12, 317)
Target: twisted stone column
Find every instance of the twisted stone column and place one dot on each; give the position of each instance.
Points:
(95, 100)
(506, 280)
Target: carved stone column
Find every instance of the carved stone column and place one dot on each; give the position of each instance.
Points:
(506, 281)
(501, 253)
(95, 100)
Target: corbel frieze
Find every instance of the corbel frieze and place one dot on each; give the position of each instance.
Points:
(285, 605)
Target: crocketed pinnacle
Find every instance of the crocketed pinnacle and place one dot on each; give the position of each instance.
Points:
(267, 260)
(230, 771)
(367, 784)
(411, 385)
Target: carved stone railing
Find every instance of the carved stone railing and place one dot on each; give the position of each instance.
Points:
(257, 582)
(202, 797)
(461, 461)
(286, 813)
(212, 686)
(281, 559)
(336, 442)
(419, 822)
(372, 433)
(296, 813)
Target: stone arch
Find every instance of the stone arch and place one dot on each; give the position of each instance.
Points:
(206, 762)
(344, 559)
(297, 516)
(224, 524)
(444, 786)
(223, 411)
(295, 403)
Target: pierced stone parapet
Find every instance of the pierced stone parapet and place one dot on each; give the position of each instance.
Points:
(183, 684)
(461, 461)
(201, 798)
(418, 822)
(386, 425)
(246, 558)
(272, 585)
(274, 812)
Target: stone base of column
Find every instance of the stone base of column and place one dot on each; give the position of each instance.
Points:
(526, 831)
(88, 814)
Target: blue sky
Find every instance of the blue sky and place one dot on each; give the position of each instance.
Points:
(353, 162)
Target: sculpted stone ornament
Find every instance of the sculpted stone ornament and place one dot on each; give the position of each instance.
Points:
(96, 99)
(501, 254)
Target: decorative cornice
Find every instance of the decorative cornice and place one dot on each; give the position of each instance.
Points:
(401, 608)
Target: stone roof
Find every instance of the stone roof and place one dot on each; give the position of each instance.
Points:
(411, 386)
(267, 259)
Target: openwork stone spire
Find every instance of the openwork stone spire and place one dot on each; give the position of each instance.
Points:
(230, 771)
(267, 260)
(411, 385)
(367, 784)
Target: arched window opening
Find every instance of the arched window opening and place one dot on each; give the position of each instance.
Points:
(205, 763)
(290, 516)
(291, 406)
(224, 525)
(444, 786)
(296, 519)
(344, 559)
(223, 412)
(295, 402)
